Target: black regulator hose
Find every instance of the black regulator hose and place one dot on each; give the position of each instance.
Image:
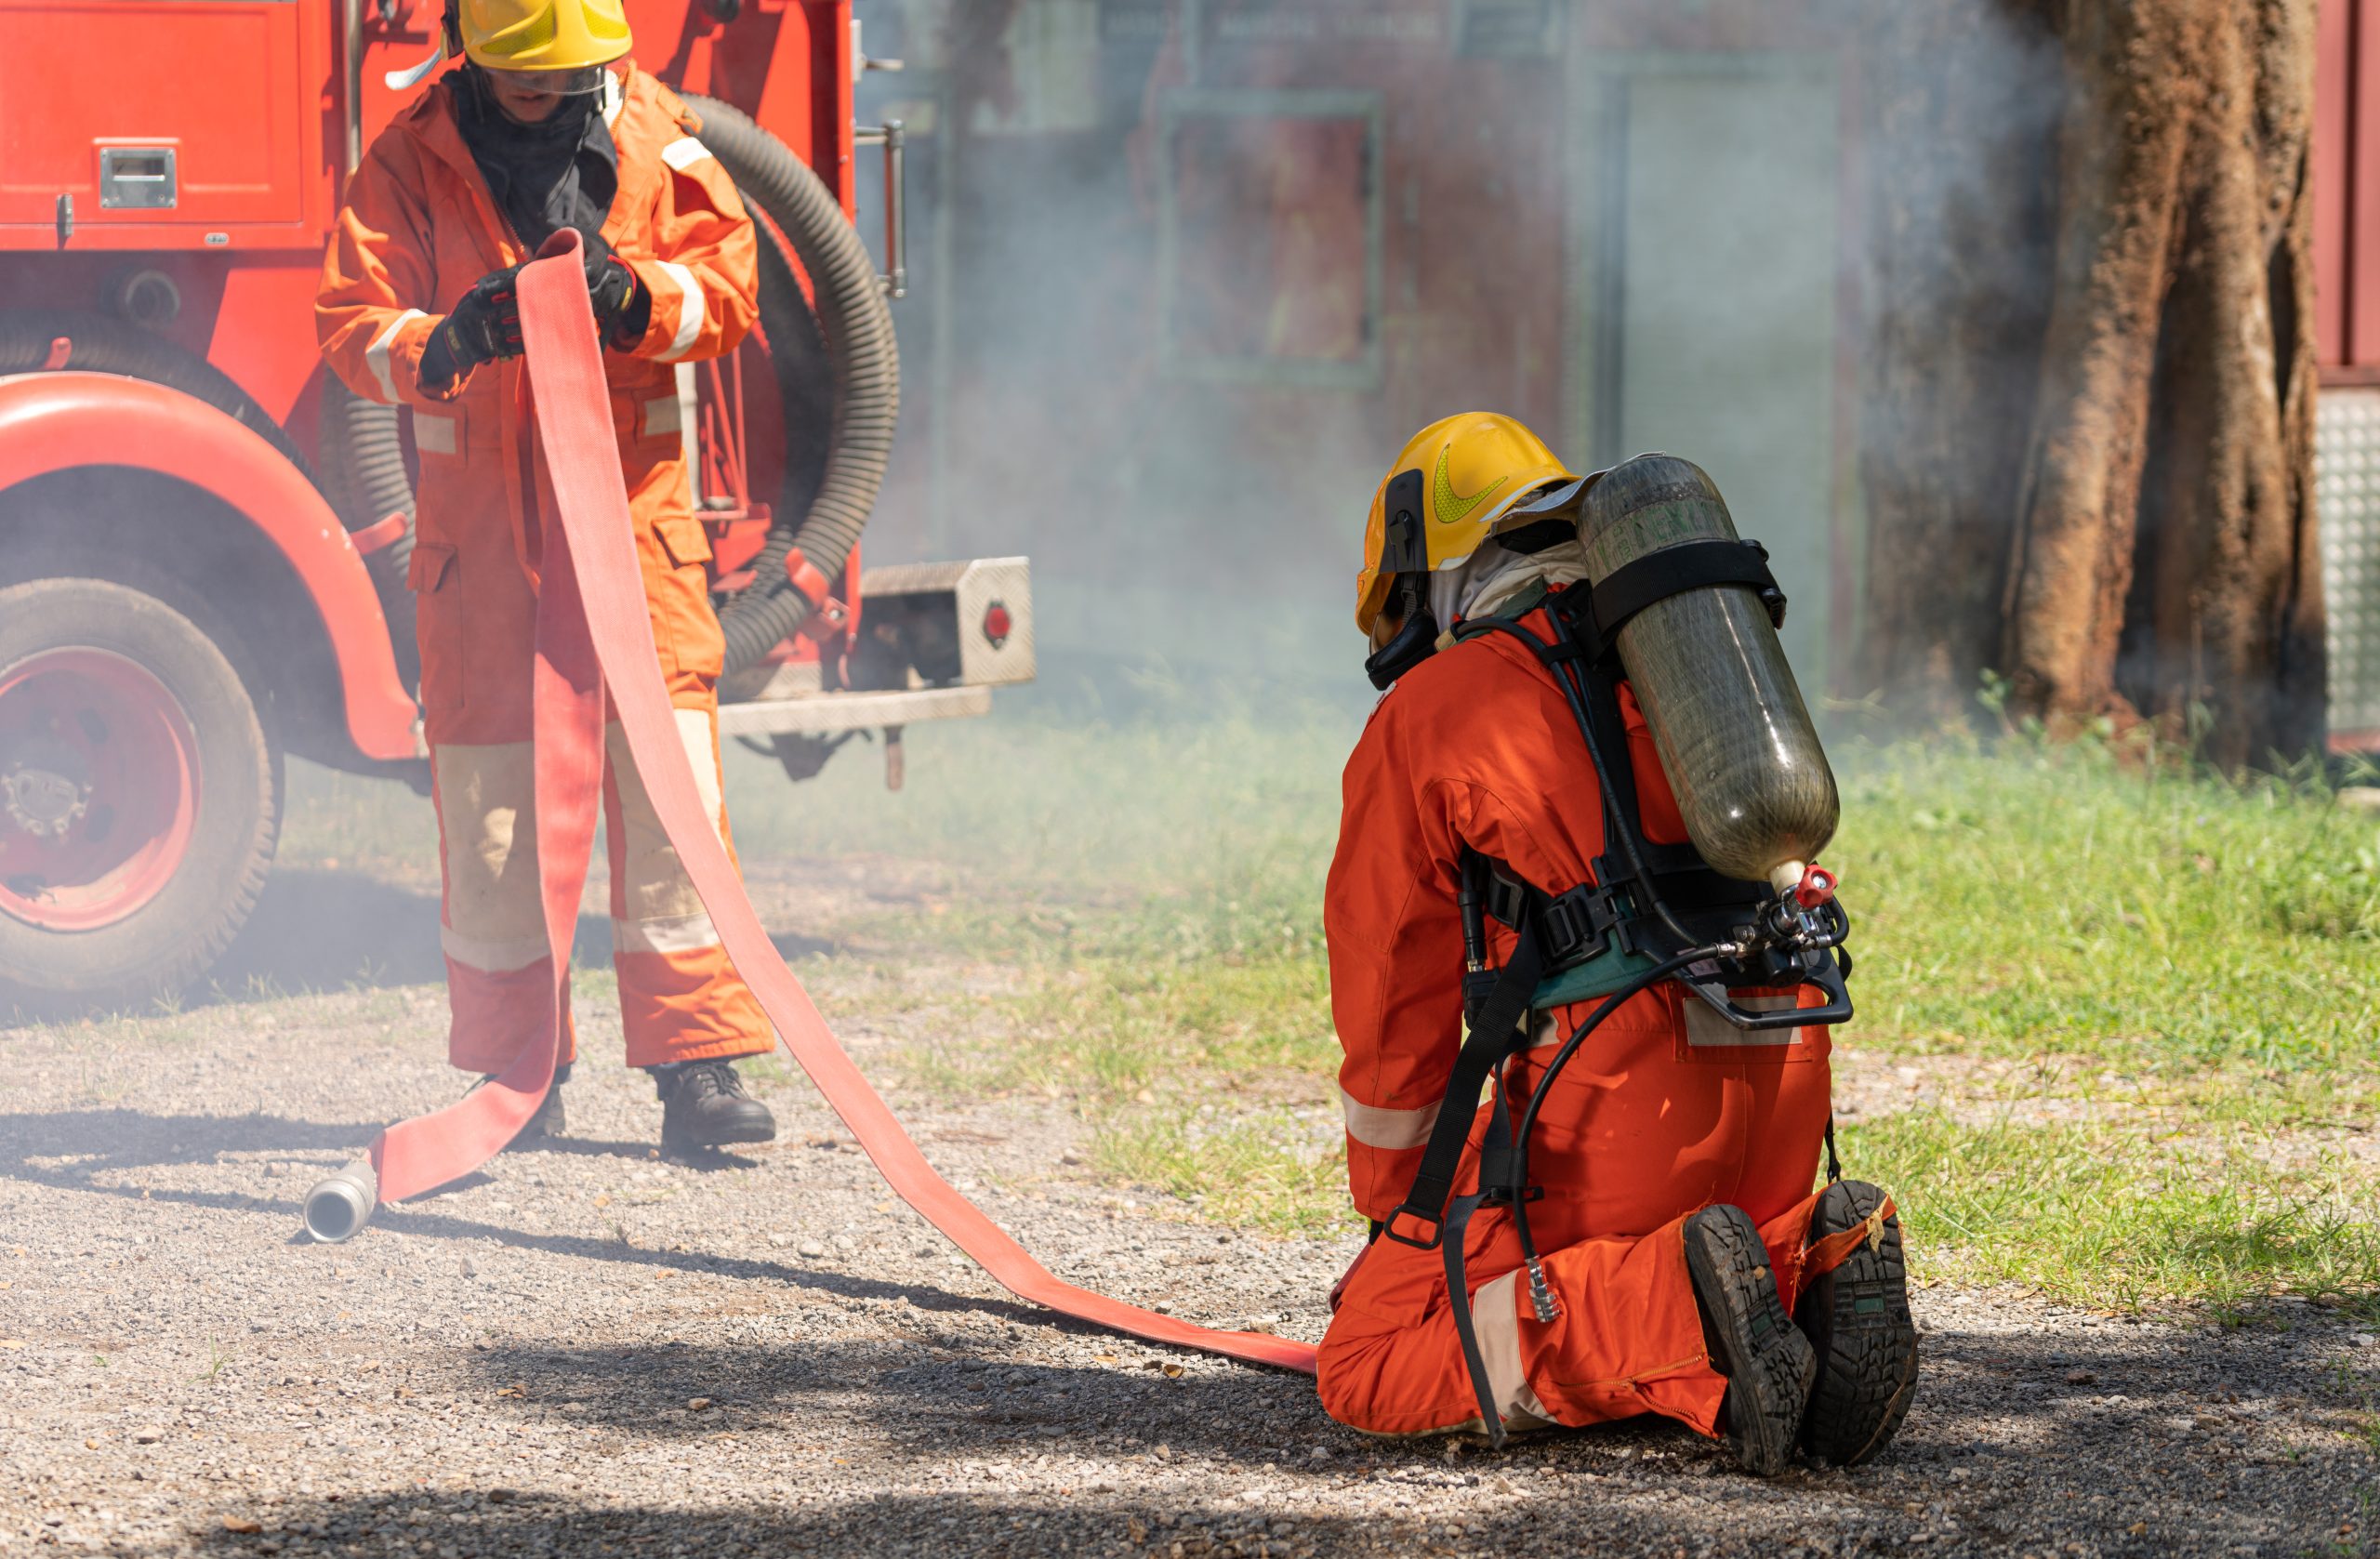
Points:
(857, 323)
(1540, 1294)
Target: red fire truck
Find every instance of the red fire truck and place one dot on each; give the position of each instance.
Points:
(204, 538)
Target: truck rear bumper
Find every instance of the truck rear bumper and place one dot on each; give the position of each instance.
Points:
(824, 714)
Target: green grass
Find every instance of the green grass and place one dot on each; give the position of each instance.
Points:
(2052, 901)
(2193, 966)
(2108, 1214)
(1130, 917)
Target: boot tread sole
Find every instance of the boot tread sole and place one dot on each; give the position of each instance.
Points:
(1859, 1321)
(1767, 1361)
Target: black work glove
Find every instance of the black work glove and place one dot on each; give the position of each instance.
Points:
(484, 325)
(623, 307)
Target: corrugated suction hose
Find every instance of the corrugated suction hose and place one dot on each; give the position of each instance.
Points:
(858, 325)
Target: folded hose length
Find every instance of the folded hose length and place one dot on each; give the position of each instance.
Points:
(592, 616)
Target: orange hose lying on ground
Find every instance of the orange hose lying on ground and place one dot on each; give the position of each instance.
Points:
(593, 633)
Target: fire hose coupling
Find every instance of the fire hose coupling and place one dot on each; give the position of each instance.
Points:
(338, 1207)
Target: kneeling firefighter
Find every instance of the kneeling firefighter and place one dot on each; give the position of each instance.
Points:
(547, 125)
(1580, 826)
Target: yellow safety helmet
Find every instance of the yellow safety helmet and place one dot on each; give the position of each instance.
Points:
(553, 46)
(1456, 482)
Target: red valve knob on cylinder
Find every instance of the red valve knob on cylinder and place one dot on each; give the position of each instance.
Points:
(1815, 888)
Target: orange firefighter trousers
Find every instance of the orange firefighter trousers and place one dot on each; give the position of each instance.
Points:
(1664, 1111)
(419, 229)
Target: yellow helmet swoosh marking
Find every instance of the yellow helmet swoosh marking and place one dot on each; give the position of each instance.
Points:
(1450, 509)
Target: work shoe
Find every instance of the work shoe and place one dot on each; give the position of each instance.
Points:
(703, 1104)
(548, 1121)
(1751, 1340)
(1857, 1319)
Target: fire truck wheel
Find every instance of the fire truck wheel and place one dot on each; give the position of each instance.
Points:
(139, 796)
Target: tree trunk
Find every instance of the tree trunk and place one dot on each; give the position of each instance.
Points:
(2182, 275)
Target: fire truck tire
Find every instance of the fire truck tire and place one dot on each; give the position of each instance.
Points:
(857, 321)
(144, 715)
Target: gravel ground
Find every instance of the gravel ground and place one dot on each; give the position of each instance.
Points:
(592, 1350)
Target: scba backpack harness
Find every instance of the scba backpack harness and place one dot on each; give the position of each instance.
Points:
(1652, 912)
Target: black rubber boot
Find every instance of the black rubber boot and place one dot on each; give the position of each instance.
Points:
(1753, 1342)
(548, 1120)
(1857, 1319)
(703, 1104)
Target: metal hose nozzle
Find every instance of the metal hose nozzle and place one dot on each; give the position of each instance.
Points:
(338, 1207)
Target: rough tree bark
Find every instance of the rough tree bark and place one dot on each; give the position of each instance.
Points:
(2163, 546)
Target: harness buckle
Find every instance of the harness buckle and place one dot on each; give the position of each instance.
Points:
(1504, 900)
(1434, 1223)
(1578, 925)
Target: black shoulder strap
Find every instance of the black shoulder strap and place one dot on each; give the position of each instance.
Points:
(1689, 565)
(1495, 1035)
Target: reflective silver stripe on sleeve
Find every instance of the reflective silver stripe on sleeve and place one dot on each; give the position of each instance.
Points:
(1495, 1314)
(377, 354)
(1392, 1130)
(684, 152)
(690, 312)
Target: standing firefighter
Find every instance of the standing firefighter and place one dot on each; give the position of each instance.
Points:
(1634, 1232)
(548, 125)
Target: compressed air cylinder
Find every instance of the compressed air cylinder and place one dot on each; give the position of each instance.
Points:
(1727, 717)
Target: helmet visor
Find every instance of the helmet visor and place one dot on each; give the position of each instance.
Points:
(576, 81)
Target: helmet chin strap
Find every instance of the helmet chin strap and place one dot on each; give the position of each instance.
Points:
(1413, 644)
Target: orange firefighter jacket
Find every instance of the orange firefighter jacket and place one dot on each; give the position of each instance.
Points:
(1475, 747)
(1664, 1110)
(419, 229)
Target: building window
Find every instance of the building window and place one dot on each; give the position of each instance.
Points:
(1269, 243)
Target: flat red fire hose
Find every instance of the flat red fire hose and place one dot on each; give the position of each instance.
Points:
(593, 633)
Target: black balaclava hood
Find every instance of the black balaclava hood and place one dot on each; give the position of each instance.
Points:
(561, 173)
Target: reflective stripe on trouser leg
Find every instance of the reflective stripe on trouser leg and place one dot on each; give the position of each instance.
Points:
(681, 999)
(492, 928)
(1629, 1339)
